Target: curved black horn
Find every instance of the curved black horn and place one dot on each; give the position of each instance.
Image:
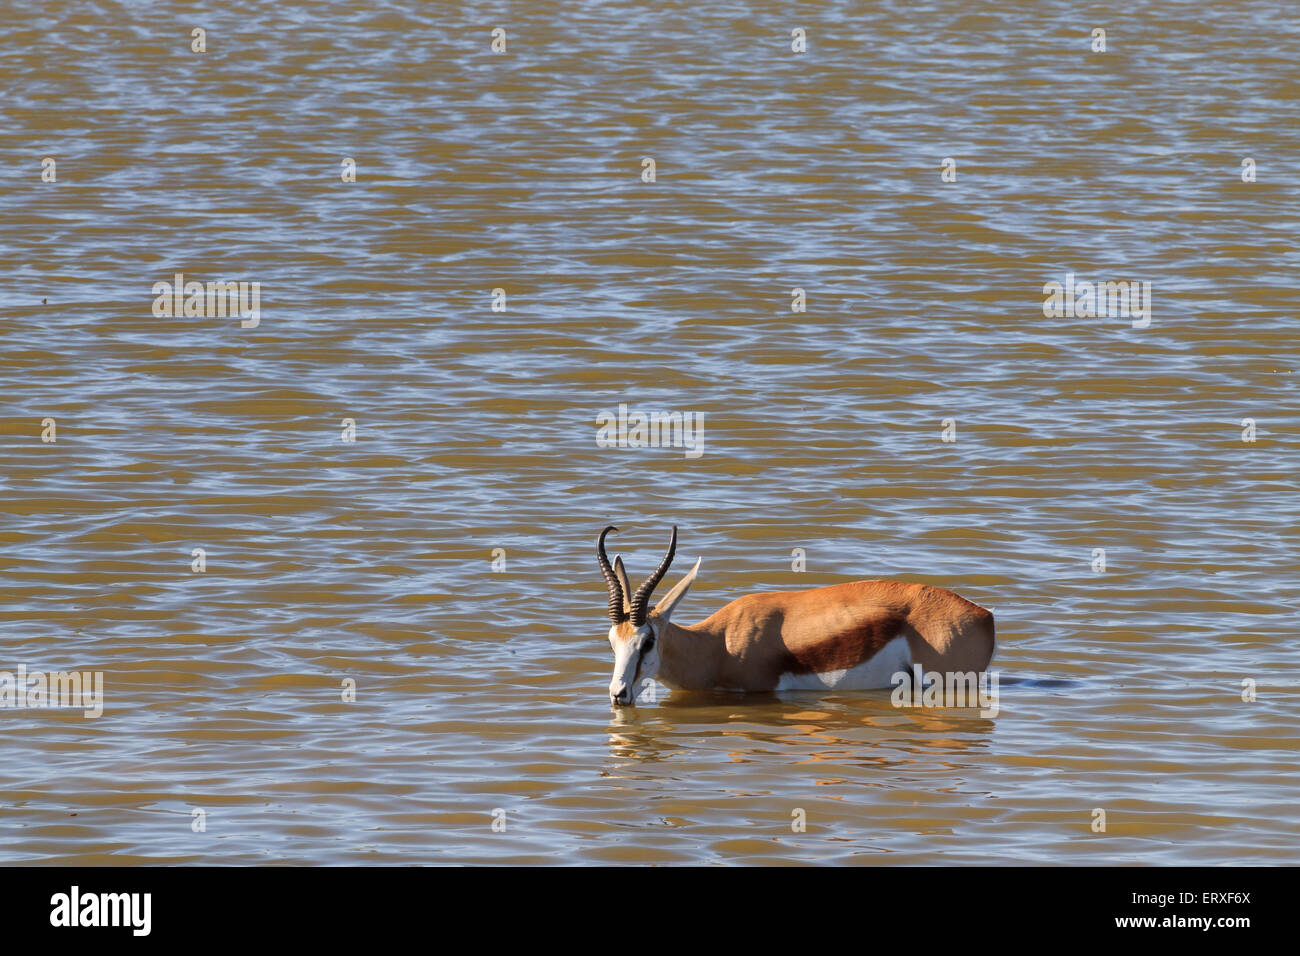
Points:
(615, 591)
(642, 596)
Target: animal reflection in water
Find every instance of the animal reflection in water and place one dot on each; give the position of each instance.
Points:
(853, 636)
(865, 730)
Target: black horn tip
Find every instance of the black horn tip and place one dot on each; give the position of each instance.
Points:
(639, 604)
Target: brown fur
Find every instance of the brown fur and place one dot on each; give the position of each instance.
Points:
(751, 642)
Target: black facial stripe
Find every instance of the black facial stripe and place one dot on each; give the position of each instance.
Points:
(646, 647)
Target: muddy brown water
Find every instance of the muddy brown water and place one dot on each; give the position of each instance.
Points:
(444, 562)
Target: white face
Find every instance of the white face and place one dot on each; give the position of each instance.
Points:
(636, 661)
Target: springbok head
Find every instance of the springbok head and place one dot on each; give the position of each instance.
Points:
(636, 631)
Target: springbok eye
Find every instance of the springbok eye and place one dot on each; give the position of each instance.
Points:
(648, 645)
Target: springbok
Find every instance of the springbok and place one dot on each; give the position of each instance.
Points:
(852, 636)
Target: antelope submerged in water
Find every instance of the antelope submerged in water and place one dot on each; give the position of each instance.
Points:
(852, 636)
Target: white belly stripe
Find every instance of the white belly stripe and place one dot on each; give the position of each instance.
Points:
(870, 674)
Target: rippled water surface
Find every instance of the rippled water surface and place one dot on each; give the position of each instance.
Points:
(481, 687)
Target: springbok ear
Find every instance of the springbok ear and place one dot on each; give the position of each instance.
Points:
(668, 603)
(622, 579)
